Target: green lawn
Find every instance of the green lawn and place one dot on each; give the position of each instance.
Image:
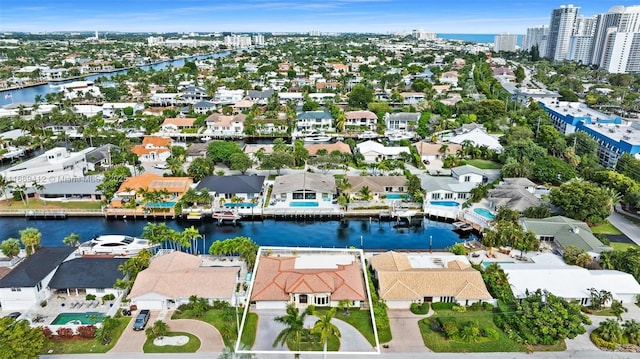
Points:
(81, 346)
(37, 204)
(361, 320)
(250, 329)
(606, 228)
(333, 344)
(191, 347)
(484, 164)
(225, 325)
(621, 246)
(605, 312)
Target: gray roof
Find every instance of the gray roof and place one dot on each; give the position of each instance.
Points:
(260, 94)
(520, 181)
(403, 116)
(513, 197)
(80, 185)
(466, 169)
(198, 149)
(36, 267)
(445, 183)
(232, 184)
(566, 232)
(98, 154)
(311, 115)
(87, 273)
(204, 104)
(304, 181)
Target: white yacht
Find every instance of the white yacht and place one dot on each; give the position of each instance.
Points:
(367, 135)
(316, 137)
(114, 244)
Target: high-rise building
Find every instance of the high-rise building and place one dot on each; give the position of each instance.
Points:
(237, 41)
(560, 31)
(505, 42)
(616, 45)
(536, 36)
(257, 39)
(580, 44)
(423, 35)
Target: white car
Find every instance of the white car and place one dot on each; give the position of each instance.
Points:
(160, 166)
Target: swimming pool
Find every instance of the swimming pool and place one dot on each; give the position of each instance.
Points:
(485, 213)
(486, 264)
(303, 204)
(78, 318)
(395, 196)
(444, 203)
(160, 204)
(244, 204)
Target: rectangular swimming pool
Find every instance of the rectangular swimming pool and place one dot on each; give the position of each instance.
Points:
(485, 213)
(78, 318)
(160, 205)
(395, 196)
(244, 204)
(486, 264)
(444, 203)
(303, 204)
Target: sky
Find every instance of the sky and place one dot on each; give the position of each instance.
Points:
(380, 16)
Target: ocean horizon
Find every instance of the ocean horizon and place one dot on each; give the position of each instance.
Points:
(477, 38)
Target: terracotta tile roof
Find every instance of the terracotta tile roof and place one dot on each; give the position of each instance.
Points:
(140, 150)
(152, 181)
(179, 121)
(156, 141)
(399, 280)
(276, 278)
(330, 147)
(355, 115)
(179, 275)
(376, 184)
(432, 149)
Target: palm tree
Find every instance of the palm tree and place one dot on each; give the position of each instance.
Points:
(340, 121)
(610, 330)
(38, 187)
(30, 237)
(294, 327)
(617, 309)
(365, 193)
(190, 235)
(632, 331)
(72, 239)
(4, 183)
(20, 189)
(443, 150)
(325, 328)
(158, 330)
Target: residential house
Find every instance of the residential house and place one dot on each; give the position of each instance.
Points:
(328, 147)
(261, 97)
(114, 109)
(449, 77)
(225, 126)
(54, 165)
(247, 188)
(193, 94)
(309, 121)
(72, 189)
(305, 187)
(252, 150)
(172, 278)
(28, 283)
(549, 272)
(442, 190)
(177, 124)
(130, 190)
(284, 97)
(374, 152)
(242, 105)
(561, 232)
(87, 275)
(380, 187)
(308, 276)
(412, 98)
(478, 138)
(196, 150)
(224, 96)
(401, 121)
(435, 151)
(361, 120)
(440, 89)
(204, 107)
(101, 156)
(404, 279)
(153, 148)
(514, 193)
(266, 126)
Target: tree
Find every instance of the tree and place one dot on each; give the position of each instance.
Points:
(632, 331)
(4, 184)
(360, 97)
(221, 151)
(30, 238)
(198, 305)
(19, 339)
(72, 239)
(519, 73)
(199, 168)
(158, 330)
(325, 328)
(230, 353)
(191, 234)
(582, 200)
(104, 333)
(294, 329)
(617, 309)
(365, 193)
(10, 247)
(610, 331)
(599, 298)
(242, 246)
(240, 161)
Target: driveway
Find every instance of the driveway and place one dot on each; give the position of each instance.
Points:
(405, 332)
(132, 341)
(351, 340)
(208, 334)
(627, 227)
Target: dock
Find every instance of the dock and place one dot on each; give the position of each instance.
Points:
(46, 214)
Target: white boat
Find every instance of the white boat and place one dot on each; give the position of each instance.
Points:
(367, 135)
(316, 137)
(114, 244)
(205, 138)
(226, 214)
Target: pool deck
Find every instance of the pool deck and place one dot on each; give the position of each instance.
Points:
(72, 304)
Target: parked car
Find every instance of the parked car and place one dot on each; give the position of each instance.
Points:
(141, 320)
(14, 315)
(160, 166)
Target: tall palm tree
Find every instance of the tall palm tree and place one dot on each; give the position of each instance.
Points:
(4, 184)
(72, 239)
(21, 188)
(325, 328)
(294, 327)
(191, 234)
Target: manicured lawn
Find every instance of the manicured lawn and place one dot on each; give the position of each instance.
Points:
(361, 320)
(333, 344)
(191, 347)
(606, 312)
(484, 164)
(621, 246)
(250, 329)
(606, 228)
(80, 346)
(37, 204)
(225, 325)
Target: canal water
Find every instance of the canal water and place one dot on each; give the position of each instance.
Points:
(329, 234)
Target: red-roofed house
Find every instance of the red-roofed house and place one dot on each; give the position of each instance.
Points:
(177, 124)
(153, 148)
(302, 277)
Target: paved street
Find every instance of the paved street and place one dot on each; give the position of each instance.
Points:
(627, 227)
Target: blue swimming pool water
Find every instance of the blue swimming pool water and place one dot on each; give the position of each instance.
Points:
(303, 204)
(486, 264)
(444, 203)
(160, 204)
(485, 213)
(395, 196)
(84, 318)
(244, 204)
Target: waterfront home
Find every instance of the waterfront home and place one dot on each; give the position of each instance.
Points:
(196, 150)
(284, 97)
(260, 97)
(561, 232)
(153, 148)
(100, 156)
(328, 148)
(479, 138)
(304, 189)
(270, 126)
(361, 120)
(241, 106)
(177, 124)
(114, 109)
(404, 279)
(254, 150)
(435, 151)
(28, 283)
(379, 187)
(224, 96)
(72, 189)
(308, 276)
(310, 121)
(550, 273)
(87, 275)
(412, 98)
(445, 192)
(204, 107)
(234, 191)
(54, 165)
(164, 99)
(401, 121)
(79, 89)
(172, 278)
(514, 193)
(139, 190)
(193, 94)
(225, 126)
(374, 152)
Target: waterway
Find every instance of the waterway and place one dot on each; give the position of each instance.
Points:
(28, 94)
(359, 233)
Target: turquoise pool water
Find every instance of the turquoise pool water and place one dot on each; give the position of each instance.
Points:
(485, 213)
(244, 204)
(444, 203)
(83, 318)
(303, 204)
(486, 264)
(395, 196)
(160, 204)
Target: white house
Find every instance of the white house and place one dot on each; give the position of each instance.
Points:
(54, 165)
(445, 195)
(225, 96)
(111, 109)
(314, 120)
(364, 120)
(375, 152)
(402, 121)
(479, 138)
(28, 283)
(225, 126)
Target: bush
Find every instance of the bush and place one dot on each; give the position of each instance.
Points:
(442, 306)
(420, 309)
(491, 334)
(487, 306)
(601, 343)
(64, 332)
(459, 309)
(87, 331)
(183, 307)
(434, 324)
(476, 307)
(109, 296)
(43, 303)
(90, 297)
(46, 331)
(450, 327)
